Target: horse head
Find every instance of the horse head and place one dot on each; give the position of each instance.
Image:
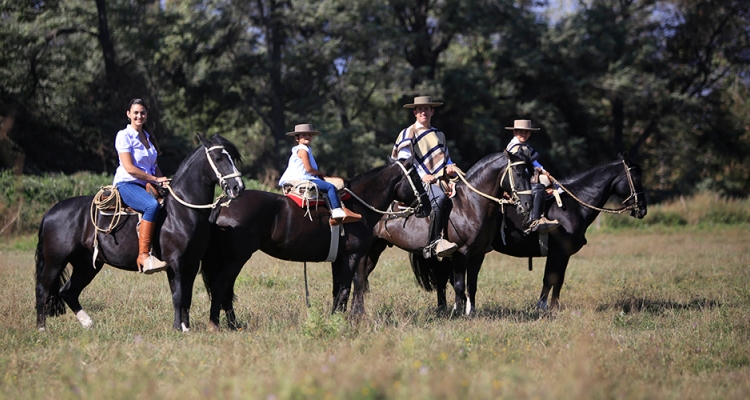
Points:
(516, 180)
(411, 189)
(221, 155)
(631, 187)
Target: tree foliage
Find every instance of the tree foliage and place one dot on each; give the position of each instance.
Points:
(666, 80)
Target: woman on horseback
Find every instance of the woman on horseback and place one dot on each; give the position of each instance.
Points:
(138, 166)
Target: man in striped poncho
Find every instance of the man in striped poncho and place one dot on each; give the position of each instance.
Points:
(432, 161)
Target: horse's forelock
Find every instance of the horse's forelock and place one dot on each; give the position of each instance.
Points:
(228, 146)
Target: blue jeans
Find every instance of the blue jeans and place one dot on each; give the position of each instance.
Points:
(330, 189)
(136, 196)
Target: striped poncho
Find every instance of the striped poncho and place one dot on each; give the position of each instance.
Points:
(428, 144)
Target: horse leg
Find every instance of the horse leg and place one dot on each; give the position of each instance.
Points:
(472, 275)
(222, 295)
(442, 276)
(49, 279)
(228, 306)
(377, 247)
(554, 274)
(175, 286)
(342, 284)
(557, 287)
(459, 282)
(83, 274)
(188, 271)
(360, 284)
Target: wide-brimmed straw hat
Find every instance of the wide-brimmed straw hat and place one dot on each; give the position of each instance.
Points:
(522, 124)
(303, 128)
(423, 101)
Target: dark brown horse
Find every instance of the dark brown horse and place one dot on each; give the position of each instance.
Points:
(592, 190)
(276, 225)
(471, 223)
(66, 236)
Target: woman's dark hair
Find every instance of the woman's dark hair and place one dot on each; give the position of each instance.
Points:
(151, 134)
(137, 101)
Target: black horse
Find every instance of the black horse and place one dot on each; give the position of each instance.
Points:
(592, 190)
(66, 235)
(276, 225)
(471, 224)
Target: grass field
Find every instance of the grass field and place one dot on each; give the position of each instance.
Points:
(648, 314)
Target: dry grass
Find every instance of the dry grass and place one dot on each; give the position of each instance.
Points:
(647, 315)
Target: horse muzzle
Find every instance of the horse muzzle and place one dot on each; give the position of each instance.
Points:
(233, 187)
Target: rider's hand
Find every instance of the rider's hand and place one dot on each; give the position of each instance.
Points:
(161, 180)
(451, 169)
(428, 178)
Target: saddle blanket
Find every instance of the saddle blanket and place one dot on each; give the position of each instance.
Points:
(303, 202)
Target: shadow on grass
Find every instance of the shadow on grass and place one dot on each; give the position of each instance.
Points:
(528, 314)
(632, 304)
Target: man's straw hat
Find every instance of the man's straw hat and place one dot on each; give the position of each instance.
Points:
(423, 101)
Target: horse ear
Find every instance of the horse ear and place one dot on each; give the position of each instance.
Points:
(203, 140)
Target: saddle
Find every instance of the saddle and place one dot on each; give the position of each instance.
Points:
(306, 194)
(107, 202)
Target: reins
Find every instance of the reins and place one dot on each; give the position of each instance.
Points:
(404, 213)
(514, 193)
(633, 195)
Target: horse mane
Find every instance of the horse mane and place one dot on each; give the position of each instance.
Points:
(580, 176)
(368, 174)
(229, 147)
(481, 166)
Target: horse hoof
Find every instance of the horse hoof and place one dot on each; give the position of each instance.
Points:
(542, 305)
(42, 329)
(184, 327)
(84, 319)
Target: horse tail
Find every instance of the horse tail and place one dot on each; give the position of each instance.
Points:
(53, 304)
(423, 271)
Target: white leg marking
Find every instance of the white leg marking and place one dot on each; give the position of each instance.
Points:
(468, 306)
(185, 328)
(84, 319)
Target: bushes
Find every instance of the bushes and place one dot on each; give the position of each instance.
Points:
(699, 210)
(25, 199)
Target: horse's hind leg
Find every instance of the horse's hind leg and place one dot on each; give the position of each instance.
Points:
(48, 301)
(83, 274)
(50, 266)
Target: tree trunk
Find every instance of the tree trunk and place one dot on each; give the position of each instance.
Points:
(108, 49)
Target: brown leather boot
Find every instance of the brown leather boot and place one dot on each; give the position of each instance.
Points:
(147, 263)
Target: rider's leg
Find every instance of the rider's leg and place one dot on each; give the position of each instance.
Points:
(338, 212)
(138, 199)
(438, 221)
(537, 221)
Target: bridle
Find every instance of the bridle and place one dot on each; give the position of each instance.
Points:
(222, 180)
(411, 209)
(633, 195)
